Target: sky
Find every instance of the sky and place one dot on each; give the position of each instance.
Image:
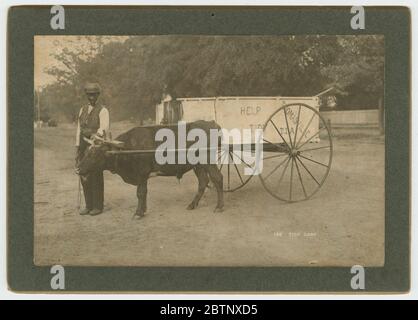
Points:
(46, 46)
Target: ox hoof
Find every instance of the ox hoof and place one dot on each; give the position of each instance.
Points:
(137, 216)
(218, 210)
(191, 206)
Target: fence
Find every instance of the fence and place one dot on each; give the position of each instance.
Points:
(352, 117)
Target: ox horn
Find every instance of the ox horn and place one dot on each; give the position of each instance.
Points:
(97, 137)
(108, 139)
(89, 141)
(115, 143)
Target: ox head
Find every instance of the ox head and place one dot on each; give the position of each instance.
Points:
(94, 158)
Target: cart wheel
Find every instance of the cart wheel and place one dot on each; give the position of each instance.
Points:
(232, 170)
(297, 152)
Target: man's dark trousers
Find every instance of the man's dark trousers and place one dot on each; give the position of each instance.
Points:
(93, 184)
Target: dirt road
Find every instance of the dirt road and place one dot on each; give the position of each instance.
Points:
(342, 225)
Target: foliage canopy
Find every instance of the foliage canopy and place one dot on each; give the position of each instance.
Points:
(133, 72)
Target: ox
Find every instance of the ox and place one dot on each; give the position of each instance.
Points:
(136, 168)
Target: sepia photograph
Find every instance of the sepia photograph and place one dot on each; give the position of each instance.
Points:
(186, 150)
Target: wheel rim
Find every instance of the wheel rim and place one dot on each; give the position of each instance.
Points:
(233, 173)
(300, 165)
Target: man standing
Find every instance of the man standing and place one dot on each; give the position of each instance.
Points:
(93, 119)
(172, 109)
(165, 100)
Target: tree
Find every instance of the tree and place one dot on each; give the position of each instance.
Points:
(359, 70)
(133, 71)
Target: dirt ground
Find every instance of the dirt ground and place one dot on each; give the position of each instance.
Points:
(342, 225)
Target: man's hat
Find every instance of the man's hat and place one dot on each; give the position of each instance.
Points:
(92, 87)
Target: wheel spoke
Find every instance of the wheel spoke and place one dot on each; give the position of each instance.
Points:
(274, 170)
(274, 125)
(236, 168)
(291, 180)
(275, 156)
(313, 136)
(308, 171)
(300, 179)
(228, 177)
(284, 170)
(231, 182)
(243, 161)
(297, 126)
(304, 131)
(287, 126)
(324, 165)
(221, 153)
(222, 163)
(312, 149)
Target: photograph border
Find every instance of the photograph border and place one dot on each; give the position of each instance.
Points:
(25, 22)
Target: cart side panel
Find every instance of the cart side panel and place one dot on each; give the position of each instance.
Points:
(198, 109)
(253, 112)
(304, 120)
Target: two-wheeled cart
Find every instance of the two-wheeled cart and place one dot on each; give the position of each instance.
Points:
(297, 142)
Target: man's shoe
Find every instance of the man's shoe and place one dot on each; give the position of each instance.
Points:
(84, 212)
(95, 212)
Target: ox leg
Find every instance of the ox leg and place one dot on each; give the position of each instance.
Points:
(203, 182)
(217, 179)
(141, 193)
